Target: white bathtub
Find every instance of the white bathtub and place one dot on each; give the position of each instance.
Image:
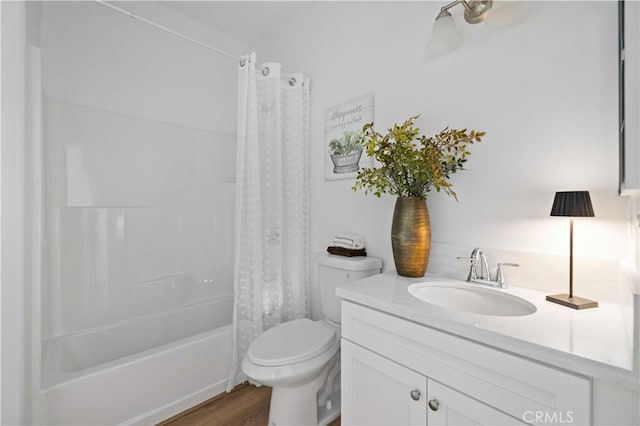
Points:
(140, 371)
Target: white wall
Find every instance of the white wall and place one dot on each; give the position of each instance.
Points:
(12, 355)
(544, 90)
(140, 163)
(96, 57)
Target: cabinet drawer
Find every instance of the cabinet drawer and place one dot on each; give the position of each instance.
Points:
(517, 386)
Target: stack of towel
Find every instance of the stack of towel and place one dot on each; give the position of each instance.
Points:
(347, 245)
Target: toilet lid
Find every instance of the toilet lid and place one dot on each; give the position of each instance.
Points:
(291, 342)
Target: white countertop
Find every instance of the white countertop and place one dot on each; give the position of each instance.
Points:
(592, 342)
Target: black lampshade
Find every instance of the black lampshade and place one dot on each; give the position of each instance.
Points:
(572, 203)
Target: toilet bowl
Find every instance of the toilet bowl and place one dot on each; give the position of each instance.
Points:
(294, 357)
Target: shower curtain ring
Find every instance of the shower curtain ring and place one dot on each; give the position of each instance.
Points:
(292, 82)
(265, 71)
(243, 61)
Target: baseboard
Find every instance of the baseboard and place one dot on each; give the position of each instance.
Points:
(169, 410)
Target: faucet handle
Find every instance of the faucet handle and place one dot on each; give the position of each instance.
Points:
(500, 274)
(472, 268)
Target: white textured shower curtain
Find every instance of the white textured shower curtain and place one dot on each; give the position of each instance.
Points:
(271, 276)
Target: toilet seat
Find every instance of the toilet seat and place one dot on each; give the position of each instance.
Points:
(292, 342)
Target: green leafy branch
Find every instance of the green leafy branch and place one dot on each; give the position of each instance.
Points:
(410, 164)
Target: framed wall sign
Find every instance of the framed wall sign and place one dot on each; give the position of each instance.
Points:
(344, 153)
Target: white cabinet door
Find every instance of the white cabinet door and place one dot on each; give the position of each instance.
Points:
(377, 391)
(450, 407)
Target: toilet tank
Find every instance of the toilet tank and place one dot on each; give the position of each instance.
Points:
(336, 270)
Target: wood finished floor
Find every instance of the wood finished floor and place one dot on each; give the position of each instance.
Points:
(245, 405)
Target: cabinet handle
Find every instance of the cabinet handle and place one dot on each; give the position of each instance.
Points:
(415, 394)
(434, 404)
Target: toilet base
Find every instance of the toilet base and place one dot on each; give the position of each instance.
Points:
(328, 413)
(296, 405)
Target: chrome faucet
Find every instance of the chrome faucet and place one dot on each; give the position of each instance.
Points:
(478, 256)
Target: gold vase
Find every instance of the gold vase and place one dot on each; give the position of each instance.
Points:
(411, 236)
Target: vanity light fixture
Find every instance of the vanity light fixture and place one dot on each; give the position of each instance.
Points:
(572, 204)
(445, 35)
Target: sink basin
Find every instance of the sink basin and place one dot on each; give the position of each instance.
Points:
(465, 297)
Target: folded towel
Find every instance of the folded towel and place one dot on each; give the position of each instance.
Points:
(347, 246)
(341, 251)
(349, 241)
(349, 237)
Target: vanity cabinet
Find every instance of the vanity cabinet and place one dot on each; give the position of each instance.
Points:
(382, 392)
(394, 371)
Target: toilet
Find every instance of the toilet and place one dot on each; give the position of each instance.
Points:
(295, 357)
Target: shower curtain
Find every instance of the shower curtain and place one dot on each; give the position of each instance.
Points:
(271, 276)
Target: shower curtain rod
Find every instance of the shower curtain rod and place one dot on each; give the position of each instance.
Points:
(163, 28)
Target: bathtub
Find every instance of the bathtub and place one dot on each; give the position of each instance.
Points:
(140, 371)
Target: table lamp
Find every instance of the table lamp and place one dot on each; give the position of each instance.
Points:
(572, 204)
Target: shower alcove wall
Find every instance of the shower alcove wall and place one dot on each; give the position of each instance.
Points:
(138, 194)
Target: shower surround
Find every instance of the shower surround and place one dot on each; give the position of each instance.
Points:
(137, 168)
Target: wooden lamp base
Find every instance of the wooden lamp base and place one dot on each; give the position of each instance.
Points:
(574, 302)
